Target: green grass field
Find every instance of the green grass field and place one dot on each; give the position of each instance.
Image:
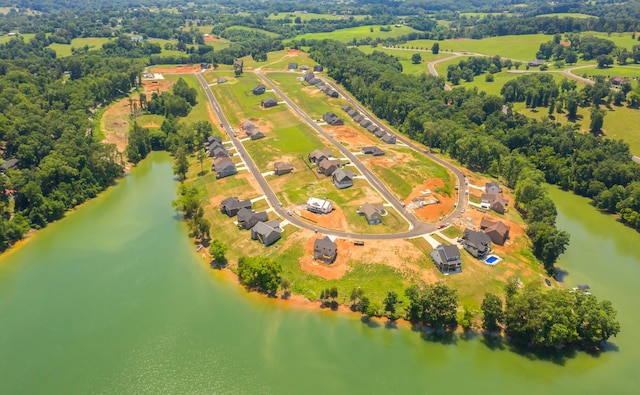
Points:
(64, 50)
(26, 37)
(202, 29)
(404, 56)
(281, 59)
(615, 71)
(360, 32)
(253, 29)
(483, 14)
(199, 111)
(309, 98)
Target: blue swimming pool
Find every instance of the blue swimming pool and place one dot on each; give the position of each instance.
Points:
(492, 259)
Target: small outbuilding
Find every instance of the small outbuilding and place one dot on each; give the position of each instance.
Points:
(325, 250)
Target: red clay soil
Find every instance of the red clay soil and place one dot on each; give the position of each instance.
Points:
(350, 136)
(180, 69)
(432, 212)
(334, 220)
(294, 52)
(331, 271)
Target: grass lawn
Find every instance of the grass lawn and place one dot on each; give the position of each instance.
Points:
(522, 47)
(631, 71)
(25, 36)
(406, 174)
(404, 56)
(311, 100)
(494, 87)
(151, 121)
(200, 111)
(205, 29)
(452, 232)
(64, 50)
(360, 32)
(252, 29)
(281, 59)
(482, 14)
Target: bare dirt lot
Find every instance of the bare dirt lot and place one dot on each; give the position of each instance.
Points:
(432, 212)
(334, 220)
(354, 139)
(179, 69)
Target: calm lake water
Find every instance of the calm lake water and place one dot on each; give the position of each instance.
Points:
(114, 300)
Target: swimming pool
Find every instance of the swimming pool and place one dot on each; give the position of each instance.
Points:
(492, 260)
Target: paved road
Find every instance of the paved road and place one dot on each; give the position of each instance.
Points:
(431, 66)
(418, 229)
(461, 181)
(373, 180)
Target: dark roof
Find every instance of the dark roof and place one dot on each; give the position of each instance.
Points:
(352, 113)
(346, 108)
(212, 139)
(358, 118)
(233, 202)
(379, 133)
(499, 227)
(282, 166)
(327, 163)
(372, 128)
(325, 153)
(369, 209)
(492, 184)
(365, 123)
(317, 68)
(448, 251)
(477, 239)
(372, 151)
(325, 246)
(292, 65)
(331, 118)
(266, 228)
(244, 214)
(341, 175)
(389, 138)
(308, 77)
(270, 102)
(10, 164)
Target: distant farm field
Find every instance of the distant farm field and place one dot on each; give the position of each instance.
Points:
(632, 72)
(64, 50)
(360, 32)
(567, 15)
(404, 56)
(252, 29)
(310, 15)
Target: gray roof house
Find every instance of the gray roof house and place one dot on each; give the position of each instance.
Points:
(358, 118)
(280, 168)
(375, 151)
(292, 66)
(315, 81)
(317, 68)
(246, 125)
(352, 113)
(217, 151)
(447, 258)
(343, 178)
(308, 77)
(372, 128)
(221, 80)
(260, 89)
(389, 138)
(477, 243)
(270, 102)
(232, 205)
(372, 212)
(223, 167)
(379, 133)
(318, 155)
(304, 67)
(247, 218)
(255, 134)
(325, 250)
(328, 166)
(214, 139)
(346, 108)
(498, 232)
(332, 119)
(266, 232)
(10, 164)
(535, 63)
(492, 188)
(365, 123)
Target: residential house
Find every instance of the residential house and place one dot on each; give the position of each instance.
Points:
(346, 108)
(247, 218)
(214, 139)
(317, 68)
(217, 151)
(328, 166)
(358, 118)
(266, 232)
(232, 205)
(372, 212)
(352, 113)
(332, 93)
(246, 125)
(255, 134)
(492, 188)
(494, 202)
(375, 151)
(315, 81)
(535, 63)
(304, 67)
(10, 164)
(379, 133)
(308, 77)
(365, 123)
(292, 66)
(325, 250)
(372, 128)
(318, 155)
(389, 138)
(270, 102)
(477, 243)
(224, 167)
(260, 89)
(319, 206)
(342, 178)
(205, 66)
(619, 81)
(280, 168)
(332, 119)
(447, 258)
(498, 232)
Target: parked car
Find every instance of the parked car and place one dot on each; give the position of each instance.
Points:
(440, 226)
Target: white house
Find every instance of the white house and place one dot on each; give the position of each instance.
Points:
(319, 206)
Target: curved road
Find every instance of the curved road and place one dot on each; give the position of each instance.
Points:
(419, 228)
(461, 181)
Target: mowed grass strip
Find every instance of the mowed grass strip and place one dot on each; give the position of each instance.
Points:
(309, 98)
(404, 56)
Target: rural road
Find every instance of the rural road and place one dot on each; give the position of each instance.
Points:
(431, 66)
(418, 229)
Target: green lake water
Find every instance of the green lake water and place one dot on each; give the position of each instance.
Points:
(114, 300)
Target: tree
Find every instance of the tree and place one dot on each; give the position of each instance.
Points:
(492, 313)
(548, 243)
(218, 251)
(416, 58)
(390, 303)
(604, 61)
(356, 298)
(260, 273)
(181, 166)
(435, 48)
(597, 119)
(202, 155)
(466, 318)
(285, 285)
